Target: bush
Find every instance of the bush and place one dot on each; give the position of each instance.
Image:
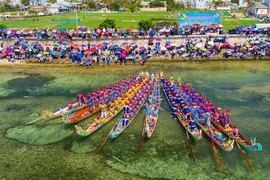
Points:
(2, 26)
(145, 24)
(107, 23)
(154, 4)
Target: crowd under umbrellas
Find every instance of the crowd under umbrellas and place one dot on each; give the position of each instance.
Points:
(110, 52)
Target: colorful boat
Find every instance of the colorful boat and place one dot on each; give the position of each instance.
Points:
(188, 124)
(131, 109)
(112, 92)
(249, 145)
(152, 108)
(114, 109)
(190, 105)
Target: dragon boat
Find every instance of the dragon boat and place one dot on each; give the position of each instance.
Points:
(114, 109)
(131, 109)
(188, 124)
(248, 145)
(192, 105)
(110, 94)
(152, 107)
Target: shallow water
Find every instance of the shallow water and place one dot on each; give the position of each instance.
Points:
(51, 150)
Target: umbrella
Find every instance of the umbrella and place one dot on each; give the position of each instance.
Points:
(13, 31)
(74, 51)
(45, 53)
(99, 46)
(203, 49)
(83, 27)
(211, 43)
(124, 43)
(8, 32)
(264, 44)
(132, 44)
(47, 45)
(111, 43)
(158, 39)
(163, 49)
(98, 31)
(168, 42)
(70, 43)
(93, 45)
(64, 43)
(142, 48)
(226, 44)
(63, 30)
(89, 57)
(135, 30)
(88, 50)
(105, 44)
(168, 46)
(93, 49)
(17, 50)
(199, 45)
(54, 53)
(83, 45)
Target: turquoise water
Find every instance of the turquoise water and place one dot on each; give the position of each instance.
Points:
(50, 150)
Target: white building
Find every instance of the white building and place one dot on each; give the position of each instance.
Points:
(202, 4)
(53, 8)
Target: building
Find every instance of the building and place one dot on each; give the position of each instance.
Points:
(145, 6)
(260, 8)
(202, 4)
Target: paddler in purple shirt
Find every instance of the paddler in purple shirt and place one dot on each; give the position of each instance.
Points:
(80, 98)
(227, 118)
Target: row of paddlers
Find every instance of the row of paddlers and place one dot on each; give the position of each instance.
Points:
(130, 95)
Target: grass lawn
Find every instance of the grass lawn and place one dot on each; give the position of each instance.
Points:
(123, 20)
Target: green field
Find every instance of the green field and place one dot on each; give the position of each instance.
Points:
(123, 20)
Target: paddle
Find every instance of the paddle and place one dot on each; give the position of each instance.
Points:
(33, 121)
(245, 158)
(106, 139)
(190, 147)
(215, 153)
(141, 141)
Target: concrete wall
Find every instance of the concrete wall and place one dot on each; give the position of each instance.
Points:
(154, 9)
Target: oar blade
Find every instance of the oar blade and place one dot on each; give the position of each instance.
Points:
(34, 121)
(141, 141)
(245, 158)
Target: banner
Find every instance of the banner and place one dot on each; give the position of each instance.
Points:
(202, 18)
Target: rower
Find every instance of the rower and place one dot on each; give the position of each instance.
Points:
(218, 136)
(126, 109)
(103, 108)
(192, 124)
(80, 98)
(236, 131)
(227, 118)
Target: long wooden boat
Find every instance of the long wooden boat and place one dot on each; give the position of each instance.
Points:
(196, 134)
(99, 122)
(151, 119)
(89, 111)
(212, 132)
(81, 115)
(119, 128)
(64, 110)
(248, 145)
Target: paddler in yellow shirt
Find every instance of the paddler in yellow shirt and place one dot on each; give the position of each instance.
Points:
(103, 108)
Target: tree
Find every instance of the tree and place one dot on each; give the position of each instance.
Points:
(154, 4)
(25, 2)
(114, 6)
(107, 23)
(145, 24)
(91, 5)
